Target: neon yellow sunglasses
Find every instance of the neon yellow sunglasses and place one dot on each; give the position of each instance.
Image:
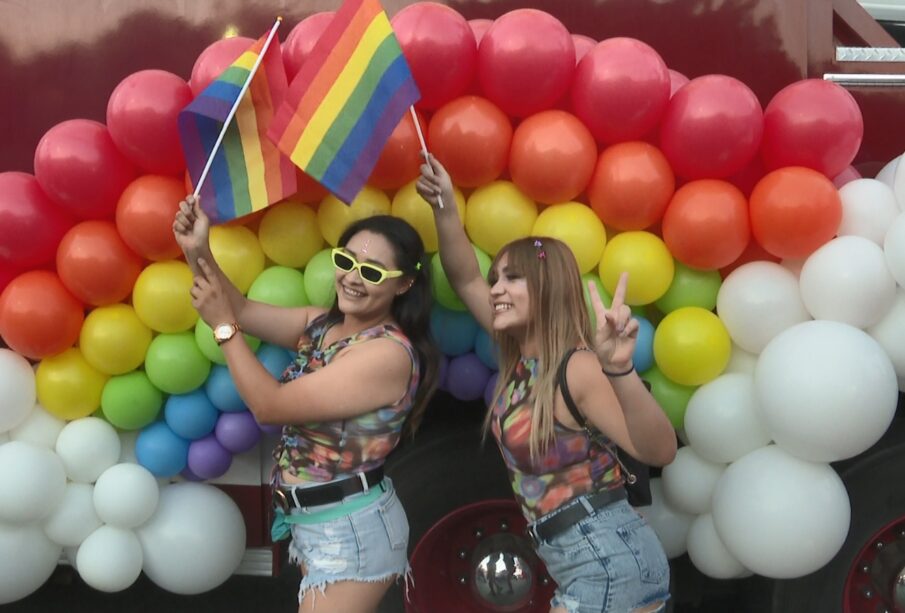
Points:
(373, 274)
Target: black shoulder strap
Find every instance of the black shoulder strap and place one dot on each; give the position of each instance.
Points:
(566, 394)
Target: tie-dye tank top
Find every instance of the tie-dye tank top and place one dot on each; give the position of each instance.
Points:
(325, 451)
(570, 466)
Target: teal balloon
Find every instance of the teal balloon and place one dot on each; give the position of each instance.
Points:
(320, 280)
(486, 350)
(204, 338)
(131, 401)
(443, 291)
(453, 331)
(672, 397)
(279, 286)
(691, 287)
(175, 364)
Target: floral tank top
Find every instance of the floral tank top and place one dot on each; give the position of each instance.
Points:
(570, 466)
(325, 451)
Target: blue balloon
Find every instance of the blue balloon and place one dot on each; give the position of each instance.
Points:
(222, 390)
(191, 416)
(643, 357)
(467, 377)
(454, 331)
(486, 349)
(275, 359)
(161, 451)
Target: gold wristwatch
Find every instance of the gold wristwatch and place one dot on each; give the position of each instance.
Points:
(224, 332)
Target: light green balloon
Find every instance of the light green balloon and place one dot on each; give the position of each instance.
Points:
(320, 280)
(672, 397)
(131, 401)
(604, 296)
(443, 291)
(691, 287)
(175, 364)
(204, 338)
(279, 286)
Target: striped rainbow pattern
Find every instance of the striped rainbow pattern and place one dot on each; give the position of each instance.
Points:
(248, 172)
(346, 100)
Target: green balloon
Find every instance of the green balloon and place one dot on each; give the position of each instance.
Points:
(672, 397)
(691, 287)
(320, 279)
(204, 338)
(443, 291)
(604, 296)
(131, 401)
(175, 364)
(279, 286)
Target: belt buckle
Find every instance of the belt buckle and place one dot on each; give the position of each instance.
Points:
(280, 500)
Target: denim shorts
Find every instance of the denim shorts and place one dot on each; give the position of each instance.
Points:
(609, 562)
(369, 544)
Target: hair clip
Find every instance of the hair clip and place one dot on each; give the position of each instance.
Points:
(418, 266)
(541, 254)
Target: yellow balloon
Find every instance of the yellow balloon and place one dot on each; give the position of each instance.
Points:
(162, 297)
(691, 346)
(289, 234)
(114, 340)
(499, 213)
(576, 225)
(239, 254)
(334, 216)
(68, 387)
(648, 262)
(411, 207)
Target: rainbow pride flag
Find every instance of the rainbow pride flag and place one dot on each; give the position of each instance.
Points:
(248, 172)
(346, 100)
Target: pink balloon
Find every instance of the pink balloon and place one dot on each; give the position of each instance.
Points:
(479, 28)
(216, 58)
(846, 176)
(620, 90)
(80, 168)
(583, 44)
(31, 226)
(141, 117)
(812, 123)
(712, 128)
(676, 81)
(302, 39)
(526, 62)
(440, 49)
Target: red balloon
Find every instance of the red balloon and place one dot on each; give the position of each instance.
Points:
(812, 123)
(526, 61)
(706, 224)
(96, 265)
(631, 186)
(752, 253)
(471, 138)
(216, 58)
(552, 157)
(400, 161)
(749, 176)
(38, 315)
(145, 213)
(302, 39)
(620, 90)
(583, 44)
(479, 28)
(7, 274)
(711, 128)
(676, 81)
(440, 49)
(31, 226)
(794, 211)
(80, 168)
(141, 117)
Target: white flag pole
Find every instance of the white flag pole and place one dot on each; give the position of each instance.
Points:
(232, 111)
(423, 145)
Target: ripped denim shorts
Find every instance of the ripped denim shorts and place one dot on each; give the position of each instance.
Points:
(369, 544)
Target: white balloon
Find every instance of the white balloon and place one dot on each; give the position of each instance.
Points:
(722, 420)
(899, 184)
(39, 428)
(868, 207)
(708, 553)
(127, 439)
(793, 265)
(689, 480)
(890, 333)
(126, 495)
(894, 247)
(88, 447)
(670, 525)
(887, 174)
(72, 554)
(28, 558)
(781, 516)
(4, 438)
(740, 361)
(847, 280)
(757, 301)
(17, 389)
(826, 390)
(74, 518)
(194, 541)
(110, 559)
(32, 482)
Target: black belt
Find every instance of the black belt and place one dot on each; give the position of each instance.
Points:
(334, 491)
(546, 529)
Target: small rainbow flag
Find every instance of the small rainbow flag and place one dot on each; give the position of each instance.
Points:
(346, 100)
(248, 173)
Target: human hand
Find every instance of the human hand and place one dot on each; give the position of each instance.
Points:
(191, 226)
(616, 333)
(208, 297)
(434, 184)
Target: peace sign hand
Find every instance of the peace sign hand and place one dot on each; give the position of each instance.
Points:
(616, 333)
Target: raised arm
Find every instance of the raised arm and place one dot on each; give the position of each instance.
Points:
(456, 253)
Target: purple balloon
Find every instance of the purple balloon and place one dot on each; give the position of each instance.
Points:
(489, 389)
(467, 377)
(208, 459)
(237, 432)
(189, 475)
(271, 428)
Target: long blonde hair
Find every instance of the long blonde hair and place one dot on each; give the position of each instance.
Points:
(558, 321)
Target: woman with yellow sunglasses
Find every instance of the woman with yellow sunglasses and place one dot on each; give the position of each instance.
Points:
(364, 368)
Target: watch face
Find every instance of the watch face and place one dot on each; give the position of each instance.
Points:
(224, 332)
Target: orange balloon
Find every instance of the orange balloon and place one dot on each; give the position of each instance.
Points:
(552, 156)
(631, 185)
(309, 190)
(794, 211)
(706, 224)
(752, 253)
(38, 315)
(400, 161)
(144, 216)
(471, 138)
(96, 265)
